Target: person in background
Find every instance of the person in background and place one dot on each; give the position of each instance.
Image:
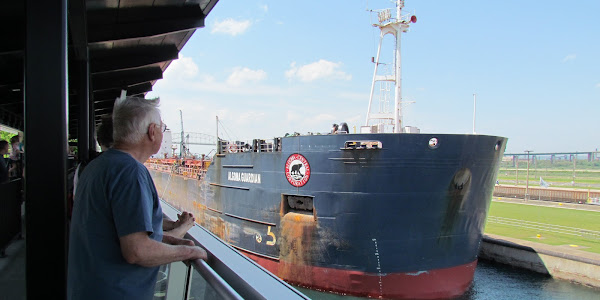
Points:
(104, 139)
(116, 240)
(15, 163)
(334, 128)
(3, 161)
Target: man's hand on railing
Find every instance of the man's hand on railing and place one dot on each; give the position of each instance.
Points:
(199, 254)
(196, 252)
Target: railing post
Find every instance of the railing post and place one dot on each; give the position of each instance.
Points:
(178, 281)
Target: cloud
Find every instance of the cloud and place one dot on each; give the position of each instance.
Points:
(356, 119)
(293, 116)
(598, 85)
(183, 76)
(231, 26)
(322, 69)
(265, 8)
(182, 68)
(569, 57)
(251, 116)
(240, 75)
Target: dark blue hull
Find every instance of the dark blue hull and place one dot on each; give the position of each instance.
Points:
(405, 206)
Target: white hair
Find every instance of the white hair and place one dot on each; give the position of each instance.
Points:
(131, 118)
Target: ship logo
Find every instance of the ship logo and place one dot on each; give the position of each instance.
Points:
(297, 170)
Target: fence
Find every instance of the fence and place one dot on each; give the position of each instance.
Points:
(549, 194)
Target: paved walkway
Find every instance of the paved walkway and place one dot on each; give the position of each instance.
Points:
(565, 250)
(12, 272)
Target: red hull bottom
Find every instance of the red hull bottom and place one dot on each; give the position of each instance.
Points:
(431, 284)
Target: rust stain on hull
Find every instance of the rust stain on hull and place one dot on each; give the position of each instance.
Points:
(297, 232)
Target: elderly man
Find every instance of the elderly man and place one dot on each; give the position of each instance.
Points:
(116, 243)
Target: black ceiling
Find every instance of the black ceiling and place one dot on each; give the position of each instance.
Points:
(128, 43)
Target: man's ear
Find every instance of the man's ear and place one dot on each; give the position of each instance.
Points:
(152, 132)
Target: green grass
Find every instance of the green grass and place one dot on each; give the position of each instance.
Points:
(589, 220)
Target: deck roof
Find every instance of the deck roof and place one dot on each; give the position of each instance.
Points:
(128, 43)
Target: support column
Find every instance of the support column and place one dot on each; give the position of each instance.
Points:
(92, 118)
(46, 148)
(83, 131)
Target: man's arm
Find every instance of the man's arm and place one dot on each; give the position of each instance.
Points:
(168, 224)
(177, 229)
(138, 248)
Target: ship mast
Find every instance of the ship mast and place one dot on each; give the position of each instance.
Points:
(396, 26)
(182, 144)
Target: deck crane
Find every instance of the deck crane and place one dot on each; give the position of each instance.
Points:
(183, 150)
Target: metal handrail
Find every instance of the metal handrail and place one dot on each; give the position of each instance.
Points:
(224, 290)
(248, 279)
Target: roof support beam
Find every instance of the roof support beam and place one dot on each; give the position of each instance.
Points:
(110, 95)
(83, 126)
(130, 58)
(78, 29)
(127, 78)
(46, 148)
(156, 21)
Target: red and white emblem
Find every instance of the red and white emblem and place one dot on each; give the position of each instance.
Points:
(297, 170)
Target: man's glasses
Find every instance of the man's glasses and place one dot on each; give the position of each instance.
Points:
(163, 126)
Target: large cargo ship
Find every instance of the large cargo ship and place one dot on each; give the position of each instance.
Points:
(387, 215)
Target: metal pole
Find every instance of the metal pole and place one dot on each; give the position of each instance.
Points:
(517, 181)
(374, 77)
(574, 164)
(398, 104)
(45, 109)
(218, 141)
(181, 144)
(474, 110)
(527, 181)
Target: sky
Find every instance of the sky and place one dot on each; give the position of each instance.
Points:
(267, 68)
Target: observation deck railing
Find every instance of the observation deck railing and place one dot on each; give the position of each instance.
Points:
(226, 274)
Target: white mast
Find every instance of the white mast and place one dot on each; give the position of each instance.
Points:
(388, 25)
(182, 143)
(398, 96)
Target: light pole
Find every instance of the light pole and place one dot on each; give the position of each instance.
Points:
(527, 182)
(574, 164)
(517, 181)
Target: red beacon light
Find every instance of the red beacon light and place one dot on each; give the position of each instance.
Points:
(413, 19)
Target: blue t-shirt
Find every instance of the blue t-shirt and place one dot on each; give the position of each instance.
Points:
(115, 197)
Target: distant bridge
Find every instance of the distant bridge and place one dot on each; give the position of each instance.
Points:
(591, 155)
(194, 138)
(554, 153)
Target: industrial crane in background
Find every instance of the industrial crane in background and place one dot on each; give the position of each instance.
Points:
(191, 138)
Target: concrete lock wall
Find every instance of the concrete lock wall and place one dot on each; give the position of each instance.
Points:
(573, 265)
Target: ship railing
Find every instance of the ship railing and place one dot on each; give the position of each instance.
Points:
(190, 172)
(195, 171)
(226, 274)
(255, 145)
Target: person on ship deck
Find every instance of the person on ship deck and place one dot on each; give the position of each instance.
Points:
(116, 242)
